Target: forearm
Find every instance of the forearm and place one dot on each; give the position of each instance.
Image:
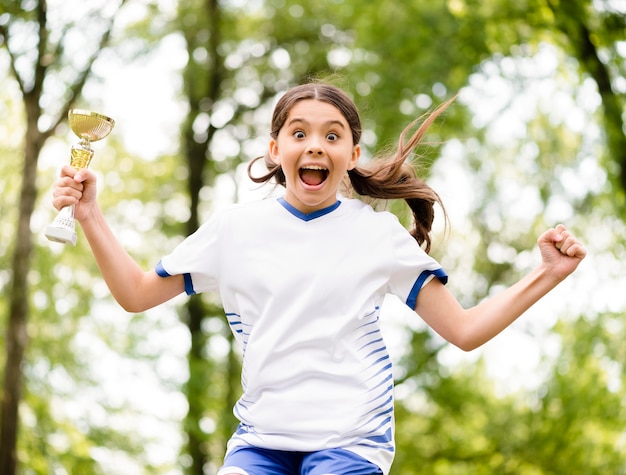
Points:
(128, 283)
(490, 317)
(134, 289)
(470, 328)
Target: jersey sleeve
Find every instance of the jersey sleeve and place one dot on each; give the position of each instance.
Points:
(196, 258)
(413, 268)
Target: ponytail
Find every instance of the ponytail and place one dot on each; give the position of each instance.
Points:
(394, 177)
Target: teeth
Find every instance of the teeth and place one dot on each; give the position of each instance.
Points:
(313, 167)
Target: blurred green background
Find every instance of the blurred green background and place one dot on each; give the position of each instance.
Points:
(535, 137)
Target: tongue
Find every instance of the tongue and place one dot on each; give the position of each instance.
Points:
(312, 177)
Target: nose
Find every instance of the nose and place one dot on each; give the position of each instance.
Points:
(314, 149)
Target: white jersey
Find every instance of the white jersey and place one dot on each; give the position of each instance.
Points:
(302, 294)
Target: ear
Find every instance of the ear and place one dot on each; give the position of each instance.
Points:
(273, 151)
(356, 154)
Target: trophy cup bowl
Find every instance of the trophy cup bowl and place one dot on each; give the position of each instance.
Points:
(89, 127)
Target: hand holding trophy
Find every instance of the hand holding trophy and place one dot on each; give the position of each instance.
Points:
(89, 127)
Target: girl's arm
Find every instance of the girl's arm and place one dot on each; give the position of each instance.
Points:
(134, 289)
(469, 328)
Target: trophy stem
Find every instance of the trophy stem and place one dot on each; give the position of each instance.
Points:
(81, 155)
(63, 228)
(89, 127)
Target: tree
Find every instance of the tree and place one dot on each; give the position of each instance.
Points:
(397, 61)
(592, 36)
(517, 183)
(571, 422)
(32, 72)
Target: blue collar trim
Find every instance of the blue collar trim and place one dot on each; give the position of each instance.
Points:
(308, 217)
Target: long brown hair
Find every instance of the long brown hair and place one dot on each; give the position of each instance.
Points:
(389, 177)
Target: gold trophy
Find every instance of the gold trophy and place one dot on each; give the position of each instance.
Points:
(89, 127)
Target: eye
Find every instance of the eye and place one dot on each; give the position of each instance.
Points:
(298, 134)
(332, 137)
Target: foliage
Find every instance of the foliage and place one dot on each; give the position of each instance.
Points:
(398, 60)
(572, 422)
(75, 324)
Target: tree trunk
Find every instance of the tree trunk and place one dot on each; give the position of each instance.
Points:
(16, 337)
(197, 155)
(571, 19)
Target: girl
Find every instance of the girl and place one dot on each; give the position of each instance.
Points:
(302, 279)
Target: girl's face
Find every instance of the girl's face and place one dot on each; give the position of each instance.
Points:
(315, 150)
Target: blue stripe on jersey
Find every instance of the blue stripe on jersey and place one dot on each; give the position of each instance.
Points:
(411, 301)
(387, 379)
(383, 407)
(240, 330)
(234, 321)
(382, 370)
(375, 425)
(371, 342)
(377, 429)
(382, 441)
(385, 403)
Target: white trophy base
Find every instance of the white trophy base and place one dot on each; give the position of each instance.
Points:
(62, 235)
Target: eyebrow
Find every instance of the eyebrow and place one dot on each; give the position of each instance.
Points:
(328, 123)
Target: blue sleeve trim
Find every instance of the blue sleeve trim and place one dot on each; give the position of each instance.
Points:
(161, 272)
(188, 284)
(411, 301)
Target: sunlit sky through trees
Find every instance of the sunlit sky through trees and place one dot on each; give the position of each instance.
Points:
(143, 97)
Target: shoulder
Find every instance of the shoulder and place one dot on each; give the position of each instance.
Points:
(241, 219)
(361, 209)
(258, 208)
(357, 207)
(380, 227)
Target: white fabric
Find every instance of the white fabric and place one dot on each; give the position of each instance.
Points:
(302, 294)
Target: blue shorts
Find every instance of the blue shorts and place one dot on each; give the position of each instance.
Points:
(256, 461)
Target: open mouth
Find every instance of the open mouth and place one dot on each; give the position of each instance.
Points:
(313, 175)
